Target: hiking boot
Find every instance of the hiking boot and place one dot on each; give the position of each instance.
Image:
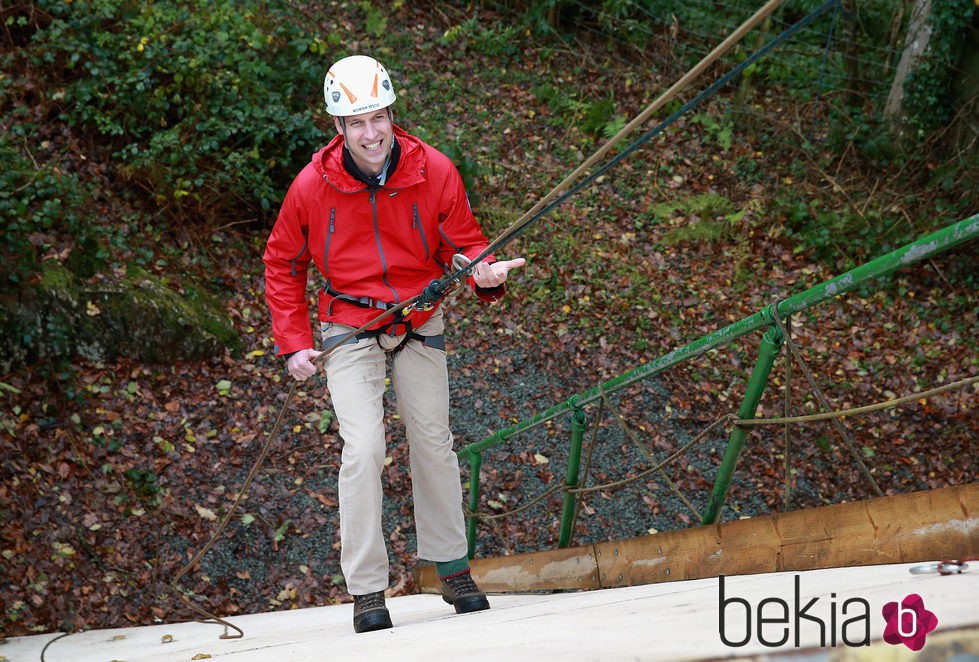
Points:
(461, 592)
(370, 613)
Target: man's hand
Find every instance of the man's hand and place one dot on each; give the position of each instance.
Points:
(300, 364)
(493, 275)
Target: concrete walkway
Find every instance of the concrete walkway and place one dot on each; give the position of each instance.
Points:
(667, 621)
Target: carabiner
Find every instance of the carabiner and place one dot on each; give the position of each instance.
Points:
(941, 567)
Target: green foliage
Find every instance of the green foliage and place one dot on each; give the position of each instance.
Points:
(844, 237)
(325, 420)
(597, 118)
(376, 23)
(927, 94)
(206, 106)
(601, 119)
(557, 99)
(720, 131)
(36, 200)
(498, 40)
(468, 168)
(863, 130)
(144, 483)
(628, 22)
(712, 218)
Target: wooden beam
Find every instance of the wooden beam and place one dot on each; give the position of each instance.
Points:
(922, 526)
(572, 568)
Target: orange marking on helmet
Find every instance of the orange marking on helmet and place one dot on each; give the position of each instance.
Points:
(351, 97)
(374, 88)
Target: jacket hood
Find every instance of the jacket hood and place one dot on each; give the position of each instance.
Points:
(328, 162)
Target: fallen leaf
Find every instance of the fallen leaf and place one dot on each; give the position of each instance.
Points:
(206, 513)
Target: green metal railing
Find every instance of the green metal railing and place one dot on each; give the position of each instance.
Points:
(771, 342)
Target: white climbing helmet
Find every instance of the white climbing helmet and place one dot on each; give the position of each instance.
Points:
(357, 84)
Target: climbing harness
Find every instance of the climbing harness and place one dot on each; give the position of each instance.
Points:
(439, 289)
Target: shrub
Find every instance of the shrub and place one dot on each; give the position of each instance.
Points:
(928, 89)
(207, 106)
(37, 200)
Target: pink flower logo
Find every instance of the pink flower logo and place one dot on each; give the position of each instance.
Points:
(908, 622)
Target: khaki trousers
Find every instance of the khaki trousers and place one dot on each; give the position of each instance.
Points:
(355, 375)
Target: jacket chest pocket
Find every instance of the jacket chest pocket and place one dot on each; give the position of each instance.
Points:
(418, 229)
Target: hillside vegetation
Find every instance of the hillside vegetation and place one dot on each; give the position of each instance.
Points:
(146, 147)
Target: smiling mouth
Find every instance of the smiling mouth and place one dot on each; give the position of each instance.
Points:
(373, 147)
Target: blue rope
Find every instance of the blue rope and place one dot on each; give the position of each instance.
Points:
(437, 287)
(696, 101)
(822, 68)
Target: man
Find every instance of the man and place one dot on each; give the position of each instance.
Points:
(382, 215)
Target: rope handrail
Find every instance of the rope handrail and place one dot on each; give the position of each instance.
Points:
(866, 409)
(924, 248)
(438, 289)
(733, 419)
(768, 318)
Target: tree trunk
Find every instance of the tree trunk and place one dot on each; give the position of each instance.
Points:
(919, 33)
(965, 95)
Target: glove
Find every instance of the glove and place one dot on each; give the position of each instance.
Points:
(300, 365)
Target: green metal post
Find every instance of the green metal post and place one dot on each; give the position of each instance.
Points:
(475, 463)
(770, 344)
(922, 249)
(578, 424)
(926, 247)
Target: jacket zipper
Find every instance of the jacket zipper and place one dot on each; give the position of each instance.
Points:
(302, 250)
(417, 225)
(380, 248)
(326, 244)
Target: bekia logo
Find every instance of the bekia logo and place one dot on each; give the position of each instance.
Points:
(908, 622)
(775, 622)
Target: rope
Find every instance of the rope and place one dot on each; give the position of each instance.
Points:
(533, 502)
(436, 289)
(175, 583)
(565, 190)
(51, 641)
(886, 404)
(673, 457)
(556, 197)
(844, 435)
(649, 456)
(822, 68)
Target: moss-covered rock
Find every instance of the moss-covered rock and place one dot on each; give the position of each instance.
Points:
(138, 315)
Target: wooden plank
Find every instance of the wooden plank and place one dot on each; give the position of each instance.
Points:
(922, 526)
(572, 568)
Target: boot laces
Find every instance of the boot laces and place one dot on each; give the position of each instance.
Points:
(462, 584)
(369, 601)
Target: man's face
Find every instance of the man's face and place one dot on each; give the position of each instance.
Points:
(368, 137)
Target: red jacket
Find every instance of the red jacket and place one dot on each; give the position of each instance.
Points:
(387, 244)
